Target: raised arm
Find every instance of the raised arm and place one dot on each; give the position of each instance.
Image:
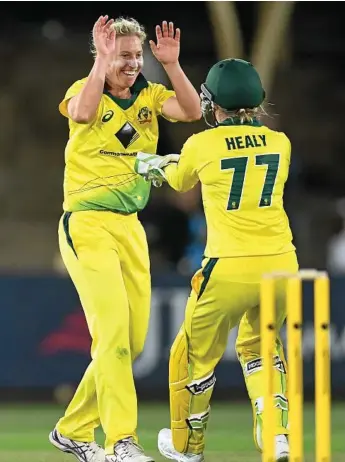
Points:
(82, 108)
(185, 106)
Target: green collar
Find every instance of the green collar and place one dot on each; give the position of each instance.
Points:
(236, 121)
(136, 88)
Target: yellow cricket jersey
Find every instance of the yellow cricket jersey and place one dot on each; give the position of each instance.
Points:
(242, 170)
(100, 156)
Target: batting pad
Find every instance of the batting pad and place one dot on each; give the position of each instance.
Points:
(252, 371)
(281, 423)
(189, 400)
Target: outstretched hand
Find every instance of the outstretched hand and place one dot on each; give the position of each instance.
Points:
(167, 48)
(104, 36)
(151, 166)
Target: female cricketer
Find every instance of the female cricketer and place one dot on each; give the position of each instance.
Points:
(112, 115)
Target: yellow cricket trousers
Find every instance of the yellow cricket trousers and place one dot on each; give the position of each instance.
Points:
(107, 258)
(225, 293)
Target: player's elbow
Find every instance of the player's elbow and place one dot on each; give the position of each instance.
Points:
(193, 115)
(80, 114)
(192, 110)
(81, 117)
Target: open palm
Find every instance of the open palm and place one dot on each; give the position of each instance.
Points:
(167, 49)
(104, 36)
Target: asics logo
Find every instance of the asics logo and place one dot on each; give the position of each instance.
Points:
(107, 116)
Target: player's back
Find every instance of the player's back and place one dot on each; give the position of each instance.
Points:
(243, 173)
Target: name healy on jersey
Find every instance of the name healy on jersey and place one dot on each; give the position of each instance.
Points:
(245, 142)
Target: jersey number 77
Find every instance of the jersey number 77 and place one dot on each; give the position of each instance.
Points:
(239, 166)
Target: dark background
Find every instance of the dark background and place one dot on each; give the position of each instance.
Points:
(44, 48)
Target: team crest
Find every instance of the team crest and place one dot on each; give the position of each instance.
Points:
(145, 115)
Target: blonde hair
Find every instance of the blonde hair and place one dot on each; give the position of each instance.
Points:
(245, 115)
(124, 27)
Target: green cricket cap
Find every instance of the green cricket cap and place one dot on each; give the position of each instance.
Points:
(234, 84)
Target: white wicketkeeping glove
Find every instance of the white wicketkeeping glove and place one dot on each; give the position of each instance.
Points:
(151, 166)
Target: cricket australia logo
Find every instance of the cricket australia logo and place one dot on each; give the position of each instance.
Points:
(145, 115)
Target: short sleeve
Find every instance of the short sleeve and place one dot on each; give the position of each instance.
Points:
(184, 175)
(160, 94)
(72, 91)
(289, 148)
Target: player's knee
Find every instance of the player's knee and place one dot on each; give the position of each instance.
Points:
(248, 352)
(111, 342)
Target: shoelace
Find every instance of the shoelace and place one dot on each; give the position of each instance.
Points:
(128, 448)
(84, 449)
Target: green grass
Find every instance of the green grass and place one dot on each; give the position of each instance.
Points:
(24, 431)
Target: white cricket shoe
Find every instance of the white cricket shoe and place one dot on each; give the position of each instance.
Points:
(281, 445)
(166, 448)
(84, 452)
(127, 450)
(282, 448)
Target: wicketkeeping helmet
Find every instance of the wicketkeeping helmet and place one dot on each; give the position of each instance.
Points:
(232, 84)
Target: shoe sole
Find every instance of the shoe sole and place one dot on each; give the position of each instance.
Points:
(167, 454)
(171, 455)
(63, 448)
